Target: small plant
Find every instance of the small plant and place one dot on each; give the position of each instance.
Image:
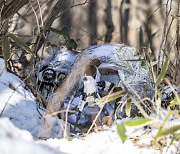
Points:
(65, 32)
(121, 128)
(6, 46)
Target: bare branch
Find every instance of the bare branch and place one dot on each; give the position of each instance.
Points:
(11, 8)
(177, 71)
(86, 1)
(164, 33)
(55, 12)
(56, 9)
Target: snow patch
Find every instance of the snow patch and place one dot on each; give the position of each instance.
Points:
(19, 105)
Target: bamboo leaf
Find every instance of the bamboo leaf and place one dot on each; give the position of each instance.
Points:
(160, 129)
(165, 119)
(122, 132)
(110, 97)
(145, 64)
(135, 60)
(128, 107)
(20, 43)
(138, 122)
(175, 137)
(175, 101)
(163, 72)
(65, 31)
(141, 39)
(153, 63)
(165, 132)
(170, 130)
(5, 49)
(153, 35)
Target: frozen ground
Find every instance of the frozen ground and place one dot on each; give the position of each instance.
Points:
(21, 127)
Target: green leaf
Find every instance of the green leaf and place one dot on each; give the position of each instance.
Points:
(141, 39)
(160, 128)
(128, 107)
(65, 31)
(122, 132)
(165, 119)
(176, 136)
(163, 72)
(153, 34)
(135, 60)
(153, 63)
(69, 138)
(165, 132)
(20, 43)
(175, 101)
(145, 64)
(110, 97)
(138, 122)
(5, 49)
(71, 44)
(170, 130)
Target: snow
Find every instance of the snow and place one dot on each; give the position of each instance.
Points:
(96, 143)
(19, 105)
(16, 141)
(22, 128)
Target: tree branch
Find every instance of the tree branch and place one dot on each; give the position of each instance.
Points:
(49, 21)
(8, 10)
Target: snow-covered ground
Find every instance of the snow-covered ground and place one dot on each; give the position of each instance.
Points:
(19, 105)
(22, 128)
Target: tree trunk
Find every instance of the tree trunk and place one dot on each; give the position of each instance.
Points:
(92, 22)
(109, 22)
(124, 18)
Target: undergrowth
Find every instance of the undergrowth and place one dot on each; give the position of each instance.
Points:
(162, 65)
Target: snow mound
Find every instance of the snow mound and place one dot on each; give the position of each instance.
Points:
(108, 142)
(19, 105)
(16, 141)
